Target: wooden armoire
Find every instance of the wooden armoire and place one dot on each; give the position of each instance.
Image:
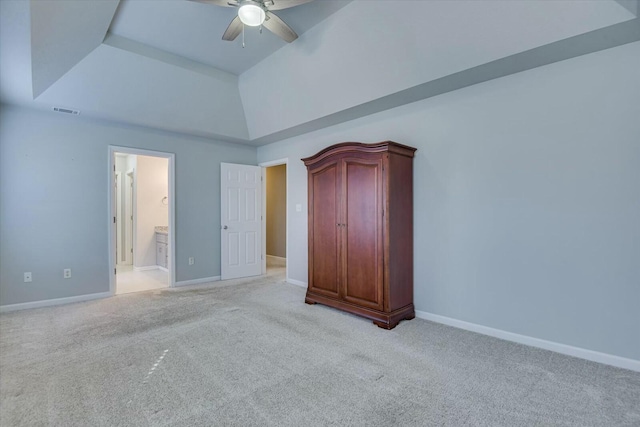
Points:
(361, 230)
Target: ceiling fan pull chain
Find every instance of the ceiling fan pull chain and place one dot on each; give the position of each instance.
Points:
(243, 35)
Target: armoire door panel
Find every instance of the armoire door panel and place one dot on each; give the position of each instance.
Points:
(363, 232)
(324, 243)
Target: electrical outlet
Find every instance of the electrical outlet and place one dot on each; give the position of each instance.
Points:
(27, 277)
(67, 273)
(191, 260)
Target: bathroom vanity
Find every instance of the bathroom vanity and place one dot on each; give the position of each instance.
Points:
(162, 239)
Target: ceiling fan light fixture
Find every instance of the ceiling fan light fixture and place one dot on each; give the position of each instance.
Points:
(251, 14)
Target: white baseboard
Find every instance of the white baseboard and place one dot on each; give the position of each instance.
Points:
(146, 268)
(582, 353)
(296, 282)
(50, 302)
(166, 270)
(197, 281)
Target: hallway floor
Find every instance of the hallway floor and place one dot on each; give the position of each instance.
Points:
(128, 280)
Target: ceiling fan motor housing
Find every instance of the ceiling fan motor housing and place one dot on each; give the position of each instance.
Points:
(258, 13)
(252, 13)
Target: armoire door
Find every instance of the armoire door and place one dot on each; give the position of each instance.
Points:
(362, 246)
(324, 231)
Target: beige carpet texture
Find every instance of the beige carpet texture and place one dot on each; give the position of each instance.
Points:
(251, 353)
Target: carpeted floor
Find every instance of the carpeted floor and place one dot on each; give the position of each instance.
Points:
(250, 352)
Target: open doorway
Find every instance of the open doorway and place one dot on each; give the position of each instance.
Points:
(275, 214)
(141, 204)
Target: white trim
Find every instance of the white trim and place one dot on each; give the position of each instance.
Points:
(197, 281)
(161, 268)
(263, 244)
(51, 302)
(265, 165)
(296, 282)
(134, 215)
(582, 353)
(277, 162)
(171, 247)
(119, 218)
(132, 201)
(146, 268)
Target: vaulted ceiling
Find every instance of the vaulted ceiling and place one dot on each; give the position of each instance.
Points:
(162, 64)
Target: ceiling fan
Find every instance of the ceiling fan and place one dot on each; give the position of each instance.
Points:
(256, 13)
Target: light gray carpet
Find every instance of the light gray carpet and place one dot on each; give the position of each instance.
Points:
(252, 353)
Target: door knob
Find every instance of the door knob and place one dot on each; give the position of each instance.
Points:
(225, 227)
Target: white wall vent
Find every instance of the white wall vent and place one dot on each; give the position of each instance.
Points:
(66, 111)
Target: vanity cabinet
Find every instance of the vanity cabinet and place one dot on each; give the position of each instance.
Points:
(162, 258)
(361, 230)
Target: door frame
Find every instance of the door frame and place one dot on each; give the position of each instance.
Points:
(264, 166)
(113, 149)
(118, 213)
(131, 219)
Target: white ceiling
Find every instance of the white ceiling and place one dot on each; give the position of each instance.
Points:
(162, 64)
(64, 32)
(194, 30)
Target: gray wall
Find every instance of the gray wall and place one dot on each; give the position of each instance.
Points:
(351, 62)
(277, 211)
(53, 201)
(527, 199)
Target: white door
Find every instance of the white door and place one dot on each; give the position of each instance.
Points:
(241, 221)
(128, 229)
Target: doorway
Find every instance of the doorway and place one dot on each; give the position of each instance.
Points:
(275, 213)
(141, 217)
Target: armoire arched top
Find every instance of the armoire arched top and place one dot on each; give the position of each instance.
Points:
(360, 147)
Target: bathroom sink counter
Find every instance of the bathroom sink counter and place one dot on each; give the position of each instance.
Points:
(162, 229)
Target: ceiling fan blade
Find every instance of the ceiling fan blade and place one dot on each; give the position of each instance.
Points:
(225, 3)
(233, 30)
(279, 28)
(283, 4)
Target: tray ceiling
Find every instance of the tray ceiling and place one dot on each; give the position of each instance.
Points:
(163, 65)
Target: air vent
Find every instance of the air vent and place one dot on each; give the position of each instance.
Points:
(66, 111)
